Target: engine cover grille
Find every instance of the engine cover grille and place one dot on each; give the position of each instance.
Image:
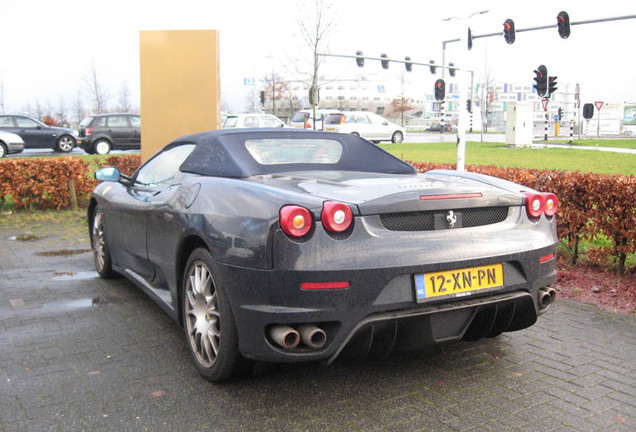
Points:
(443, 219)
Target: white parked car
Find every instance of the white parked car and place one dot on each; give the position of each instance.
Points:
(304, 119)
(10, 143)
(367, 125)
(252, 121)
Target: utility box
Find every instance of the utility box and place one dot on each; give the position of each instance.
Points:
(519, 124)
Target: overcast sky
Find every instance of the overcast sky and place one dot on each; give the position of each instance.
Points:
(47, 46)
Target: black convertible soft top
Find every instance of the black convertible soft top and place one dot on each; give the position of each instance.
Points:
(223, 153)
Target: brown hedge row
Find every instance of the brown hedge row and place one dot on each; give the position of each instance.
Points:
(590, 205)
(54, 183)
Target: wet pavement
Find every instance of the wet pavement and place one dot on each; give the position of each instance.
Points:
(81, 353)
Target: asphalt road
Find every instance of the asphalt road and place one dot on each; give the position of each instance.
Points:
(81, 353)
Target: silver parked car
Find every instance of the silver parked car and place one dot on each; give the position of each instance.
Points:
(252, 121)
(10, 143)
(367, 125)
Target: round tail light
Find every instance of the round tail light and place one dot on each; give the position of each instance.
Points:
(295, 221)
(551, 204)
(336, 217)
(535, 203)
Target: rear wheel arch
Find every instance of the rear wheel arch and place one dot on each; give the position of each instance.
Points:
(188, 245)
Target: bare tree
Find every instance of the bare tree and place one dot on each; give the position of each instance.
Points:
(124, 98)
(1, 94)
(99, 91)
(61, 112)
(78, 108)
(486, 88)
(402, 103)
(275, 88)
(315, 27)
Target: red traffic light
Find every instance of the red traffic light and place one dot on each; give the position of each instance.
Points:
(440, 90)
(509, 31)
(563, 24)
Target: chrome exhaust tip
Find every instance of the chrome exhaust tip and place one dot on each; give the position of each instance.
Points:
(312, 336)
(285, 336)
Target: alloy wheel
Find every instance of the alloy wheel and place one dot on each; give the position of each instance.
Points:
(203, 319)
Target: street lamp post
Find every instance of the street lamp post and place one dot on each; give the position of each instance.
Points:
(461, 75)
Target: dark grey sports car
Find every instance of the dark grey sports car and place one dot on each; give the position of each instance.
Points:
(286, 246)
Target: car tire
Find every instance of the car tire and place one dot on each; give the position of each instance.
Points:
(101, 252)
(208, 322)
(65, 144)
(101, 147)
(397, 137)
(3, 150)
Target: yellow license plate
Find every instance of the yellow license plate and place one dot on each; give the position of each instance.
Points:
(457, 282)
(330, 129)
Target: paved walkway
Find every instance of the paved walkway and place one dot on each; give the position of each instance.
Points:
(80, 353)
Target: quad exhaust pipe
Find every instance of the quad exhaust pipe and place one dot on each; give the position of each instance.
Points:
(312, 336)
(289, 338)
(545, 297)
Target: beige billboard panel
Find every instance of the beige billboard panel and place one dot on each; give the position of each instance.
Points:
(180, 85)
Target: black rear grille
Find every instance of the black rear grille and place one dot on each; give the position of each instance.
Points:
(441, 219)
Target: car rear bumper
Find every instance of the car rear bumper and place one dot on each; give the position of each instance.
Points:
(85, 143)
(378, 312)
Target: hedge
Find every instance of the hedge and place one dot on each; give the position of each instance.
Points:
(590, 205)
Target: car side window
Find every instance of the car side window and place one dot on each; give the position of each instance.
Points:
(163, 167)
(250, 122)
(100, 122)
(6, 122)
(270, 122)
(135, 121)
(25, 122)
(117, 122)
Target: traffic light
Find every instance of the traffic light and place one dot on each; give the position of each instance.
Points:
(451, 69)
(440, 90)
(588, 111)
(552, 85)
(469, 105)
(314, 96)
(359, 59)
(509, 31)
(560, 113)
(407, 64)
(470, 39)
(432, 66)
(541, 78)
(563, 24)
(262, 97)
(385, 63)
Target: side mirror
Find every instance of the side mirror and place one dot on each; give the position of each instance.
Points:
(109, 174)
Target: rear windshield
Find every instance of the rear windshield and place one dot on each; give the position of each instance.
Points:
(281, 151)
(299, 117)
(86, 121)
(230, 122)
(334, 119)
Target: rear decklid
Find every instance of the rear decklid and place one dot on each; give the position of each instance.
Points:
(374, 193)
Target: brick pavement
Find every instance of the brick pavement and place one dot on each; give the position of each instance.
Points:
(80, 353)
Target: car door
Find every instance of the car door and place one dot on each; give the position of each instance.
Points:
(34, 134)
(363, 125)
(119, 130)
(135, 124)
(379, 127)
